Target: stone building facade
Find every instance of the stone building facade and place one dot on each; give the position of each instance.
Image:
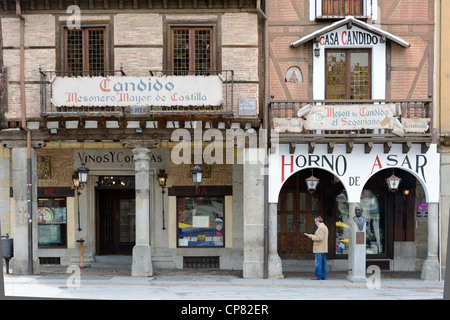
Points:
(133, 91)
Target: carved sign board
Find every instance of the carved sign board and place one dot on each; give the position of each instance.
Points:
(418, 125)
(294, 125)
(348, 117)
(137, 91)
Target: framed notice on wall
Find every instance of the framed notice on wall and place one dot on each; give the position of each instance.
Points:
(200, 221)
(247, 106)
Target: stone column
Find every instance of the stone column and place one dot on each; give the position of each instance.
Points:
(357, 248)
(430, 270)
(142, 252)
(21, 214)
(253, 178)
(275, 266)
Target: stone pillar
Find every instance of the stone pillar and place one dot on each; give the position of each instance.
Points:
(275, 266)
(142, 252)
(357, 249)
(430, 270)
(253, 178)
(5, 191)
(21, 217)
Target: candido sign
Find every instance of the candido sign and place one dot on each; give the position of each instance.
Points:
(348, 38)
(137, 91)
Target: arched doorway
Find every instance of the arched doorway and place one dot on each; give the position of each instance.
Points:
(297, 208)
(393, 231)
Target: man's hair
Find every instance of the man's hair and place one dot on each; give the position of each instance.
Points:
(319, 218)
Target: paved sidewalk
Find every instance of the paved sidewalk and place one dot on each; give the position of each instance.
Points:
(194, 285)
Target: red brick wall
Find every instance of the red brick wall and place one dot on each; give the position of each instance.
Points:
(411, 20)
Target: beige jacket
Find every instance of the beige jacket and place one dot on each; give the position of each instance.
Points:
(320, 238)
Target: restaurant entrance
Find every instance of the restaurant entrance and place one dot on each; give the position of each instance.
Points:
(116, 218)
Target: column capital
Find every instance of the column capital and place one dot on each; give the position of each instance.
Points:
(141, 159)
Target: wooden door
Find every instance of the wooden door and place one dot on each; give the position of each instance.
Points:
(296, 213)
(116, 219)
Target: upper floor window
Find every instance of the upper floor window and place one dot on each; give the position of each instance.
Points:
(84, 52)
(191, 50)
(329, 9)
(342, 7)
(348, 74)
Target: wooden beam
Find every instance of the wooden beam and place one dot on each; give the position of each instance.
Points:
(387, 146)
(349, 147)
(330, 147)
(368, 147)
(406, 146)
(424, 147)
(311, 147)
(292, 146)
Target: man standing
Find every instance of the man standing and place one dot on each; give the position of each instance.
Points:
(320, 248)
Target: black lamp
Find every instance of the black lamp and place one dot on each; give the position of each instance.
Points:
(197, 173)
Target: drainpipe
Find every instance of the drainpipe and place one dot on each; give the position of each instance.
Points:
(28, 132)
(265, 38)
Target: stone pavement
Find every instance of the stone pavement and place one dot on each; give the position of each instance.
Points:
(214, 285)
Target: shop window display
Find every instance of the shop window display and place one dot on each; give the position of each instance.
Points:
(52, 219)
(200, 221)
(375, 223)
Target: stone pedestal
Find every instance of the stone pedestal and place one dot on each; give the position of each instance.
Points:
(357, 254)
(142, 253)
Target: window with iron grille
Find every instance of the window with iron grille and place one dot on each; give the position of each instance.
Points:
(84, 51)
(191, 50)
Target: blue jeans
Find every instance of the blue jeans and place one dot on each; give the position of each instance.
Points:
(321, 266)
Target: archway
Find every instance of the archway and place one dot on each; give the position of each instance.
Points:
(393, 230)
(297, 208)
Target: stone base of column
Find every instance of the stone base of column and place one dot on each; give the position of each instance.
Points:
(20, 266)
(275, 267)
(356, 278)
(430, 269)
(253, 270)
(142, 261)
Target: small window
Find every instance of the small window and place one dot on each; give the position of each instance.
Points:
(85, 51)
(338, 9)
(201, 221)
(52, 222)
(342, 8)
(192, 50)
